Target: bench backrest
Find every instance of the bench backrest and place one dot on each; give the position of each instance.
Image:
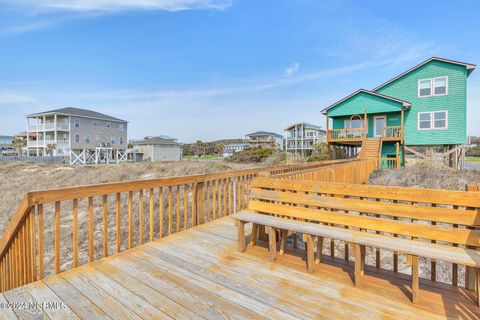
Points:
(440, 215)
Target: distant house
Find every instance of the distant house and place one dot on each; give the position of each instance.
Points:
(161, 148)
(302, 137)
(423, 108)
(232, 148)
(82, 134)
(264, 139)
(6, 144)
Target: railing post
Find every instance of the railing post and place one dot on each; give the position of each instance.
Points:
(199, 219)
(235, 194)
(470, 273)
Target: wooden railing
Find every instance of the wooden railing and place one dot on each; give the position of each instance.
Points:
(346, 134)
(55, 230)
(389, 163)
(356, 171)
(392, 133)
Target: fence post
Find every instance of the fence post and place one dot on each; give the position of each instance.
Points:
(469, 271)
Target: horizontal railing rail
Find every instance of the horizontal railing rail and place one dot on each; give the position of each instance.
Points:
(392, 133)
(355, 171)
(55, 230)
(346, 134)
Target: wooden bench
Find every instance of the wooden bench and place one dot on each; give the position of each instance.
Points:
(435, 224)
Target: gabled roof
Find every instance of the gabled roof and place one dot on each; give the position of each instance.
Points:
(470, 67)
(79, 113)
(306, 124)
(404, 103)
(264, 133)
(155, 141)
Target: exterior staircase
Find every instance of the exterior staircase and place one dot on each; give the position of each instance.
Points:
(370, 148)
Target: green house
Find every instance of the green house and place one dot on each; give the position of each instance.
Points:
(425, 107)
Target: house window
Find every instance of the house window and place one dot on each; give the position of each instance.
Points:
(440, 86)
(433, 87)
(87, 138)
(76, 123)
(121, 127)
(95, 123)
(121, 140)
(354, 122)
(97, 137)
(77, 138)
(435, 120)
(113, 140)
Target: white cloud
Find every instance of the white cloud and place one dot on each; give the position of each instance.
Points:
(113, 6)
(290, 71)
(10, 97)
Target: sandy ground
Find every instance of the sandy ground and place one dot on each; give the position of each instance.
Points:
(17, 178)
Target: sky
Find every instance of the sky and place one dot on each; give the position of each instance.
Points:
(215, 69)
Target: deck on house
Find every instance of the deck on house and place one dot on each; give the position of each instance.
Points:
(199, 273)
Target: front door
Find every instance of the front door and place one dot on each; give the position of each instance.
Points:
(378, 123)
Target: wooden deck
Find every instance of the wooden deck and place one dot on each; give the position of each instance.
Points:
(198, 273)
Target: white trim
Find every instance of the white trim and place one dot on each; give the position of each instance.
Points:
(432, 87)
(345, 121)
(384, 116)
(432, 120)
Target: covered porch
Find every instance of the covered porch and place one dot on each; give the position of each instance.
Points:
(365, 114)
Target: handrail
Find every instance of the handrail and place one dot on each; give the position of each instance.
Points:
(346, 134)
(355, 171)
(183, 202)
(392, 132)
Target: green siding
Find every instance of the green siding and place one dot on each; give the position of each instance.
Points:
(393, 119)
(406, 88)
(364, 101)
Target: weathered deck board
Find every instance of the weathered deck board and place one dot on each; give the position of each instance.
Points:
(199, 274)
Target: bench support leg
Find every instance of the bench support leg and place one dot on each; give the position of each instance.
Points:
(359, 255)
(318, 260)
(477, 285)
(241, 235)
(414, 260)
(310, 252)
(272, 243)
(262, 235)
(253, 239)
(283, 240)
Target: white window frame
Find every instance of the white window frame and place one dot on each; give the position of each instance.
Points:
(75, 138)
(121, 127)
(75, 121)
(88, 138)
(384, 116)
(349, 121)
(432, 87)
(432, 120)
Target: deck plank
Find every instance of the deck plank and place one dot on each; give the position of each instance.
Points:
(197, 298)
(98, 296)
(21, 296)
(276, 277)
(53, 306)
(122, 294)
(6, 313)
(80, 304)
(199, 273)
(162, 303)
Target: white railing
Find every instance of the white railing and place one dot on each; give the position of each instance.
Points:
(49, 127)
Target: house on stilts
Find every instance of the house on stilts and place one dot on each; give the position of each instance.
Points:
(421, 111)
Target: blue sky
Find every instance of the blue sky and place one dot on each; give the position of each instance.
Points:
(212, 69)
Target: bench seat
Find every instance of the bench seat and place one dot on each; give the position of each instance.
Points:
(451, 254)
(359, 239)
